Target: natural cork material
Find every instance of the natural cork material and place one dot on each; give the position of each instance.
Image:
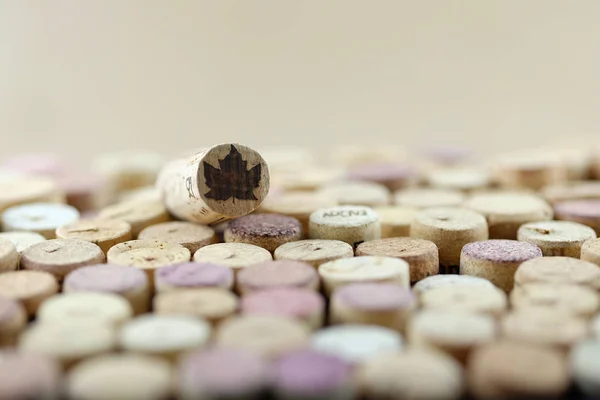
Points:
(268, 231)
(556, 238)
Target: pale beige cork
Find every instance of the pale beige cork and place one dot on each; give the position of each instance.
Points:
(507, 211)
(395, 220)
(9, 257)
(465, 179)
(454, 333)
(103, 232)
(411, 373)
(349, 193)
(30, 288)
(314, 251)
(529, 169)
(236, 256)
(222, 182)
(297, 205)
(574, 190)
(508, 369)
(42, 218)
(350, 224)
(189, 235)
(210, 304)
(428, 197)
(590, 251)
(421, 255)
(13, 319)
(61, 256)
(29, 189)
(268, 231)
(556, 238)
(436, 281)
(308, 179)
(558, 270)
(470, 299)
(450, 228)
(22, 240)
(348, 155)
(580, 301)
(138, 214)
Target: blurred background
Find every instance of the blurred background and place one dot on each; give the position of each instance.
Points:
(83, 77)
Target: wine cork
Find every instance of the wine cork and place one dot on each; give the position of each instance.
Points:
(121, 376)
(103, 232)
(105, 308)
(466, 299)
(193, 276)
(209, 304)
(22, 240)
(506, 212)
(437, 281)
(128, 282)
(356, 343)
(556, 238)
(395, 220)
(225, 181)
(189, 235)
(166, 336)
(558, 270)
(9, 257)
(529, 169)
(347, 193)
(274, 274)
(301, 304)
(411, 373)
(29, 376)
(428, 197)
(309, 374)
(13, 319)
(383, 304)
(236, 256)
(85, 192)
(450, 229)
(465, 179)
(30, 288)
(266, 335)
(42, 218)
(147, 255)
(350, 224)
(566, 191)
(363, 269)
(394, 176)
(544, 327)
(223, 373)
(507, 369)
(314, 251)
(366, 153)
(138, 214)
(44, 164)
(448, 156)
(308, 179)
(586, 212)
(68, 341)
(574, 300)
(268, 231)
(298, 205)
(590, 251)
(421, 255)
(61, 256)
(453, 333)
(496, 260)
(29, 189)
(585, 369)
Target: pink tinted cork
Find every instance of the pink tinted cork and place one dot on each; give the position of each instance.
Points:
(586, 212)
(106, 278)
(279, 273)
(265, 225)
(310, 373)
(223, 372)
(374, 296)
(37, 164)
(393, 176)
(502, 251)
(448, 155)
(194, 275)
(84, 192)
(28, 376)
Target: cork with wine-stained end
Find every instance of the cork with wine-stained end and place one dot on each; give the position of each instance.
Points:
(496, 260)
(421, 255)
(350, 224)
(268, 231)
(585, 212)
(222, 182)
(556, 238)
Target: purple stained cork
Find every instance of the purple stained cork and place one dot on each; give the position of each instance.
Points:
(292, 302)
(28, 376)
(106, 278)
(223, 372)
(311, 373)
(502, 251)
(279, 273)
(374, 296)
(191, 275)
(448, 155)
(265, 225)
(579, 208)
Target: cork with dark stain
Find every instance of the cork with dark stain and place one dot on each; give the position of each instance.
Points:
(502, 251)
(268, 231)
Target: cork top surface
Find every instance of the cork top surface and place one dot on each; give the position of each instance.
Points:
(429, 197)
(147, 254)
(136, 211)
(22, 285)
(545, 327)
(364, 268)
(589, 208)
(559, 270)
(460, 178)
(312, 250)
(476, 299)
(39, 216)
(60, 256)
(502, 251)
(209, 302)
(277, 273)
(435, 281)
(28, 375)
(94, 230)
(9, 308)
(22, 240)
(306, 372)
(27, 189)
(509, 204)
(194, 275)
(450, 219)
(105, 278)
(576, 190)
(556, 232)
(570, 299)
(373, 296)
(295, 302)
(99, 307)
(233, 255)
(265, 225)
(184, 233)
(454, 329)
(395, 215)
(223, 371)
(401, 247)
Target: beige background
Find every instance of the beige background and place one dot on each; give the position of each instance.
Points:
(84, 76)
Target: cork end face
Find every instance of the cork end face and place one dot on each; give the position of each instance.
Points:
(233, 179)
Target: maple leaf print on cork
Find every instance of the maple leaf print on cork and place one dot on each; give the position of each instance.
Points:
(219, 183)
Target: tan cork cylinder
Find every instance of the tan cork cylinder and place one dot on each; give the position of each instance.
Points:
(210, 304)
(314, 251)
(13, 319)
(29, 189)
(268, 231)
(450, 229)
(30, 288)
(574, 300)
(465, 179)
(42, 218)
(22, 240)
(395, 220)
(223, 182)
(421, 255)
(103, 232)
(471, 299)
(137, 213)
(529, 170)
(236, 256)
(556, 238)
(189, 235)
(558, 270)
(350, 224)
(9, 257)
(436, 281)
(590, 251)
